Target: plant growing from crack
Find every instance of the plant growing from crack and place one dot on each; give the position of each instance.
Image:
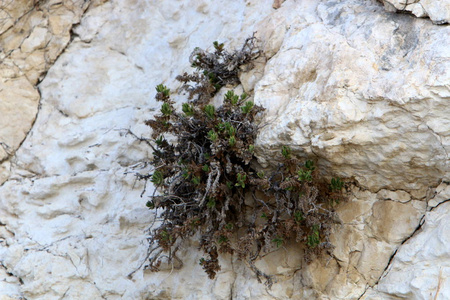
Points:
(210, 184)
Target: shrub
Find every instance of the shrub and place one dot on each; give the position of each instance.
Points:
(211, 185)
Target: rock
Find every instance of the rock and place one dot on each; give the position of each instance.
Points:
(437, 10)
(356, 100)
(442, 194)
(28, 50)
(394, 222)
(420, 269)
(362, 90)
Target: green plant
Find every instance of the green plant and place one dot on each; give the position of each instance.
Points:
(241, 178)
(314, 238)
(206, 174)
(188, 109)
(286, 152)
(278, 241)
(210, 111)
(247, 107)
(336, 184)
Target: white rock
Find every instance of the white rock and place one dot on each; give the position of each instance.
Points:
(422, 264)
(437, 10)
(363, 90)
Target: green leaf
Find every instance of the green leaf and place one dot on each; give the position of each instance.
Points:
(247, 107)
(309, 164)
(196, 180)
(230, 129)
(298, 216)
(210, 111)
(217, 46)
(160, 88)
(159, 141)
(157, 178)
(286, 151)
(313, 239)
(251, 148)
(166, 109)
(231, 97)
(222, 239)
(278, 241)
(305, 175)
(212, 136)
(241, 178)
(188, 109)
(336, 184)
(205, 168)
(232, 141)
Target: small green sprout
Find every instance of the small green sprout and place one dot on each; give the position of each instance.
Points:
(188, 109)
(251, 148)
(278, 241)
(165, 236)
(286, 151)
(157, 178)
(309, 164)
(212, 136)
(159, 141)
(222, 239)
(217, 46)
(264, 216)
(232, 141)
(261, 174)
(241, 178)
(314, 238)
(230, 129)
(336, 184)
(160, 88)
(196, 180)
(247, 107)
(243, 96)
(298, 216)
(210, 111)
(166, 109)
(304, 175)
(205, 168)
(230, 96)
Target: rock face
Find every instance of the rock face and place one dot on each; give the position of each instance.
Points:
(362, 90)
(33, 34)
(437, 10)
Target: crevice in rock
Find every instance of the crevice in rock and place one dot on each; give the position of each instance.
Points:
(440, 203)
(386, 269)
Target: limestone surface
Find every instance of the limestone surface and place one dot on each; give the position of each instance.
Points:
(32, 35)
(437, 10)
(362, 90)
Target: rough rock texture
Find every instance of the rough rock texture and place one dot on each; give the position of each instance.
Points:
(421, 268)
(363, 90)
(437, 10)
(32, 35)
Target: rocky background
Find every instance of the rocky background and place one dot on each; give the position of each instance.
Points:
(362, 86)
